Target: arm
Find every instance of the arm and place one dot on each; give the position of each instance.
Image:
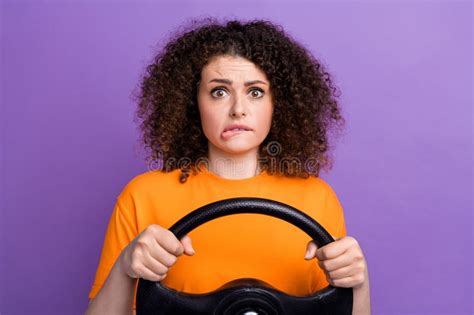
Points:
(358, 275)
(361, 305)
(116, 296)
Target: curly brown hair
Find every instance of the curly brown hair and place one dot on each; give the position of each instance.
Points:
(304, 96)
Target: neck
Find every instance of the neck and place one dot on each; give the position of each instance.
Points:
(233, 166)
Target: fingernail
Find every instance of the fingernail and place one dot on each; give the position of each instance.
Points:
(192, 252)
(306, 256)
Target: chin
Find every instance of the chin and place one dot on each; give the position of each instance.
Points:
(236, 148)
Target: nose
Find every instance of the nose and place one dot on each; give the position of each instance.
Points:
(239, 109)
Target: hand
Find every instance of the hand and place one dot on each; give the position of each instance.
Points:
(342, 261)
(153, 252)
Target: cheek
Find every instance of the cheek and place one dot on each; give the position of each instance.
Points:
(205, 112)
(265, 117)
(210, 120)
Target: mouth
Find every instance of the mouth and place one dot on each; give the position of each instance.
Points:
(233, 132)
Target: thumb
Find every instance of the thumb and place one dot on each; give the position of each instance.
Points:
(188, 246)
(310, 250)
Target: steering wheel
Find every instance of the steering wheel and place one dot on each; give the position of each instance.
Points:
(244, 296)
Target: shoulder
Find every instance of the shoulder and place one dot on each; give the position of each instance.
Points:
(320, 191)
(319, 183)
(312, 184)
(325, 189)
(307, 192)
(324, 186)
(150, 182)
(148, 178)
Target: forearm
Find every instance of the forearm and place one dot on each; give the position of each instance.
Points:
(361, 300)
(116, 296)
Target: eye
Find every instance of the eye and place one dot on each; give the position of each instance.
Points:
(219, 94)
(216, 90)
(257, 90)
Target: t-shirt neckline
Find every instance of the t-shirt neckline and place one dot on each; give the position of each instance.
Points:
(229, 181)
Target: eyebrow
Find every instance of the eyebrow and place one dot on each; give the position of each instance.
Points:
(226, 81)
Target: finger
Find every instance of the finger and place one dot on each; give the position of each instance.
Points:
(187, 245)
(147, 274)
(310, 250)
(154, 265)
(347, 282)
(341, 273)
(163, 256)
(335, 263)
(170, 243)
(332, 250)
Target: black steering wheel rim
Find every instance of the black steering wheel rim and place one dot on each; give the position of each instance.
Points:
(330, 300)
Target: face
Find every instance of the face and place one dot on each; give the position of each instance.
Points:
(233, 90)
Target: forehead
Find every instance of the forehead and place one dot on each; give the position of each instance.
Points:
(230, 66)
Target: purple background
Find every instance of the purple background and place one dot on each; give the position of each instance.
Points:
(403, 169)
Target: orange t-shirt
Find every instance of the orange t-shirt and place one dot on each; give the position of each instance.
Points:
(230, 247)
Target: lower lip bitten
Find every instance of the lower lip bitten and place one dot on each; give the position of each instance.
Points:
(230, 133)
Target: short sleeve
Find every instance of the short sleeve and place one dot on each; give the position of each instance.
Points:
(121, 230)
(335, 213)
(335, 216)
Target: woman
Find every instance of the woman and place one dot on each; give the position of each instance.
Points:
(235, 110)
